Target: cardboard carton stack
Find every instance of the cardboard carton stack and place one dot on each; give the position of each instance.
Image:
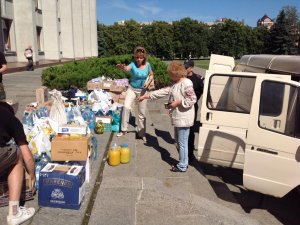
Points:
(116, 88)
(63, 185)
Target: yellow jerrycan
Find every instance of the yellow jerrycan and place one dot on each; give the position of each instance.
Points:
(125, 153)
(114, 156)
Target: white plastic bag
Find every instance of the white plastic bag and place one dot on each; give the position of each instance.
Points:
(57, 112)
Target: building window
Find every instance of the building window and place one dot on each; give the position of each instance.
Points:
(6, 26)
(280, 108)
(231, 93)
(39, 38)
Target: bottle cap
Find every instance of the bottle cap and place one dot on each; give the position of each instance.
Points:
(124, 145)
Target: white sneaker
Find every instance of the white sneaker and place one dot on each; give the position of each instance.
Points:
(144, 139)
(23, 215)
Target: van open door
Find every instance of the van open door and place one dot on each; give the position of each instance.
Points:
(225, 111)
(272, 153)
(221, 63)
(225, 116)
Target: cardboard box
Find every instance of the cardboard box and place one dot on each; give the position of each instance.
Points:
(118, 89)
(93, 85)
(26, 190)
(42, 95)
(61, 186)
(68, 149)
(106, 84)
(72, 129)
(104, 119)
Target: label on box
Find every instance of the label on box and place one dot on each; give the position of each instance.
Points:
(72, 129)
(104, 119)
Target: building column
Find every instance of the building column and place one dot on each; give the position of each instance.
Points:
(25, 28)
(51, 30)
(78, 28)
(94, 33)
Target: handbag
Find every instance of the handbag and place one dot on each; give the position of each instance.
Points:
(149, 83)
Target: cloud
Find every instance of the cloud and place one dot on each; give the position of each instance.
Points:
(143, 9)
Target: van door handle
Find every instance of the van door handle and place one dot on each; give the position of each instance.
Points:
(208, 116)
(277, 124)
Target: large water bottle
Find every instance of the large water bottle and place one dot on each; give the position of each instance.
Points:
(86, 115)
(27, 119)
(92, 120)
(44, 159)
(38, 168)
(89, 116)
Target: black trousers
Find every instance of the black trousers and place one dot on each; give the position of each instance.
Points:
(29, 66)
(2, 92)
(192, 134)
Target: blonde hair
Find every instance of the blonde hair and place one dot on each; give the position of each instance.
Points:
(140, 52)
(177, 69)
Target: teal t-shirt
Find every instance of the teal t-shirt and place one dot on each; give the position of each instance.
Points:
(138, 76)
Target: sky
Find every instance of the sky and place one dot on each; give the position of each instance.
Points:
(111, 11)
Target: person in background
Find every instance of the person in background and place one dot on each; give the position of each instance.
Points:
(12, 161)
(139, 70)
(3, 67)
(181, 109)
(28, 53)
(198, 84)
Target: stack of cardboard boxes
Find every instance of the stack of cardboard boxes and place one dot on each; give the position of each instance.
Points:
(62, 184)
(117, 88)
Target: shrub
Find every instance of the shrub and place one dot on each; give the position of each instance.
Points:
(78, 73)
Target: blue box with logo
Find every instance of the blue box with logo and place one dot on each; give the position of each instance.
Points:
(61, 186)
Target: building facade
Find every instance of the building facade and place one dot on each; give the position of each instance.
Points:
(265, 21)
(56, 29)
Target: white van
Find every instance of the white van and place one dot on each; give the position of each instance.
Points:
(254, 123)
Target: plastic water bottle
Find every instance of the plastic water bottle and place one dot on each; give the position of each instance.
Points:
(38, 168)
(86, 115)
(89, 116)
(95, 147)
(44, 159)
(92, 122)
(27, 119)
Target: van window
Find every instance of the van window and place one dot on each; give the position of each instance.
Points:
(279, 108)
(230, 93)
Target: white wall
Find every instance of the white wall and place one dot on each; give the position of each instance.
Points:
(25, 28)
(78, 28)
(50, 30)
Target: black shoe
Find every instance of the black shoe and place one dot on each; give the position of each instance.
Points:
(192, 159)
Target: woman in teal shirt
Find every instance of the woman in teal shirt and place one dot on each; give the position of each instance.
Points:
(139, 70)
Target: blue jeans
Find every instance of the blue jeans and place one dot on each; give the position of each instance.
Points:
(181, 138)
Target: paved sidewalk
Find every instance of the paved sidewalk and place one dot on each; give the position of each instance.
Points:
(143, 191)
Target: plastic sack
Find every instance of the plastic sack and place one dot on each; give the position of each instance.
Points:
(57, 112)
(40, 143)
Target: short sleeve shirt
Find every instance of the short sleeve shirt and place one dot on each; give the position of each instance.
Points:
(10, 127)
(2, 62)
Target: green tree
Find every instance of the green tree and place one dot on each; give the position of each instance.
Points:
(184, 36)
(292, 17)
(279, 41)
(159, 39)
(258, 44)
(102, 45)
